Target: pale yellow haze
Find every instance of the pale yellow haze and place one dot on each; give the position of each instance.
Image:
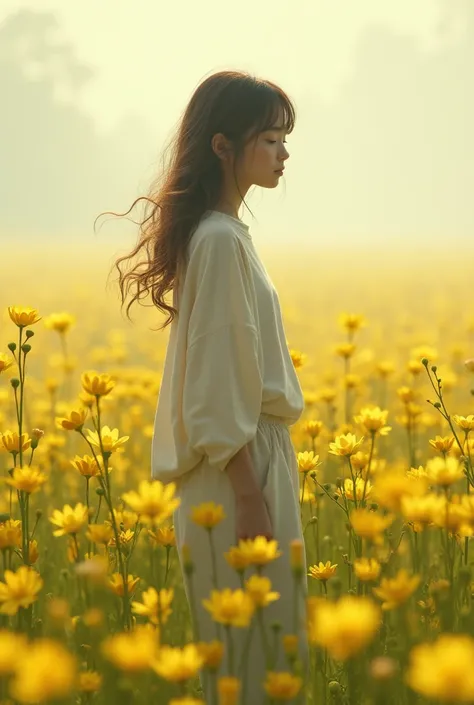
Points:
(381, 156)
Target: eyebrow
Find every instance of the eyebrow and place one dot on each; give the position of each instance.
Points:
(276, 129)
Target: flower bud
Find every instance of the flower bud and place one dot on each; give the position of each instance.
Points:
(334, 688)
(296, 556)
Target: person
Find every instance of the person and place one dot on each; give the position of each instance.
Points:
(229, 391)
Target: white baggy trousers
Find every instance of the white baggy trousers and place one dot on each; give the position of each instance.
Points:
(276, 468)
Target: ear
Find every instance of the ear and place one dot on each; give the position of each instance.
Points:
(220, 145)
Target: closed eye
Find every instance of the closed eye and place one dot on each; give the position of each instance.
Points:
(273, 141)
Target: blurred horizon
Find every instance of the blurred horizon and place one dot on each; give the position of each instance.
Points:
(381, 159)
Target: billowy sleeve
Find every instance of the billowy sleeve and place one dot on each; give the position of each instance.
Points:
(222, 393)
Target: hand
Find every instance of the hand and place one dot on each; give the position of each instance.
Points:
(252, 517)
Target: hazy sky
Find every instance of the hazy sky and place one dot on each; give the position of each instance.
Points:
(383, 146)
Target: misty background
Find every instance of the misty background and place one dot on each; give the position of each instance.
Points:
(383, 151)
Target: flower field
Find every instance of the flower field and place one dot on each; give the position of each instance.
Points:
(92, 605)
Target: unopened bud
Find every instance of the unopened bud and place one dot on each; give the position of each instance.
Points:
(296, 555)
(334, 688)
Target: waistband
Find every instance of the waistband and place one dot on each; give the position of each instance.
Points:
(277, 420)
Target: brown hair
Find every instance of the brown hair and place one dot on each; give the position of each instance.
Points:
(234, 103)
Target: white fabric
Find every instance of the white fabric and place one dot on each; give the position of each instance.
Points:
(276, 470)
(227, 359)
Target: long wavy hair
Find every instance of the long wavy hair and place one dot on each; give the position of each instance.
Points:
(234, 103)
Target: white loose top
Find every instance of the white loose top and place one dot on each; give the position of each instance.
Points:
(227, 359)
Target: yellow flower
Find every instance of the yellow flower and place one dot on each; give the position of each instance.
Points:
(73, 421)
(345, 350)
(313, 428)
(444, 471)
(60, 322)
(228, 688)
(395, 591)
(164, 536)
(368, 524)
(345, 445)
(178, 664)
(86, 465)
(36, 681)
(360, 486)
(5, 362)
(110, 439)
(351, 321)
(20, 589)
(33, 553)
(115, 583)
(374, 420)
(442, 670)
(89, 682)
(464, 422)
(97, 384)
(307, 461)
(99, 533)
(11, 441)
(207, 514)
(10, 534)
(443, 444)
(282, 685)
(124, 519)
(132, 652)
(28, 478)
(454, 517)
(367, 568)
(237, 559)
(23, 316)
(186, 700)
(156, 605)
(233, 607)
(421, 510)
(69, 520)
(385, 368)
(154, 502)
(391, 487)
(344, 627)
(11, 645)
(259, 589)
(212, 652)
(260, 550)
(297, 554)
(322, 571)
(125, 538)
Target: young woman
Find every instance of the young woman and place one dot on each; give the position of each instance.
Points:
(229, 390)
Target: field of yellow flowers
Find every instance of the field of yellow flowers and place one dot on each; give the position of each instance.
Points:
(92, 606)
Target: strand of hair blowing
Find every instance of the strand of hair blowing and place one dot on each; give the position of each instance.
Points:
(234, 103)
(178, 199)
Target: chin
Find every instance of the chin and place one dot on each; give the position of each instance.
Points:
(269, 183)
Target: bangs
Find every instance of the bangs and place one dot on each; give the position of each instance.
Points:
(272, 108)
(278, 106)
